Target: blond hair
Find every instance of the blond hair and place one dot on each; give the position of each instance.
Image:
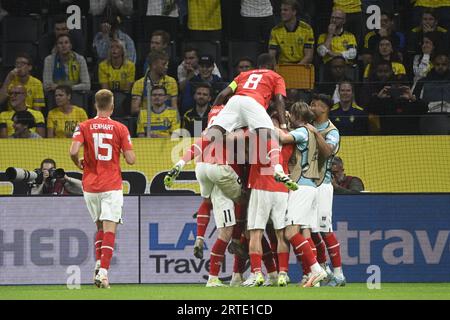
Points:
(104, 99)
(301, 112)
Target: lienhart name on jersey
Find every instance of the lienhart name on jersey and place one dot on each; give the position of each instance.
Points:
(104, 126)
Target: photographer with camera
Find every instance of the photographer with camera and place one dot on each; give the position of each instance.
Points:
(55, 181)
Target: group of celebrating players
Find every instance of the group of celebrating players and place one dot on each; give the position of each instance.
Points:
(254, 175)
(257, 176)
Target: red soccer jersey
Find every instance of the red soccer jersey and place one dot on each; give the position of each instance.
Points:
(260, 84)
(261, 175)
(104, 139)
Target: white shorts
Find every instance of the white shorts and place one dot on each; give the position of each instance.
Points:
(208, 175)
(223, 209)
(324, 208)
(243, 111)
(105, 205)
(222, 185)
(302, 207)
(264, 205)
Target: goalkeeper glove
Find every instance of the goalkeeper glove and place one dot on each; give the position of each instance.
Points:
(173, 174)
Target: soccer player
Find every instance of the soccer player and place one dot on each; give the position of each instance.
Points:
(253, 90)
(268, 200)
(302, 203)
(327, 136)
(103, 140)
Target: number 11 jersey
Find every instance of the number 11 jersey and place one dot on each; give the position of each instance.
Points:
(104, 140)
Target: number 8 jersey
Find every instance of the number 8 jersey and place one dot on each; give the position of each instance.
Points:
(104, 140)
(260, 84)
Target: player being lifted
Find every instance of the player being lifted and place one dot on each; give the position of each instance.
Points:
(253, 90)
(103, 140)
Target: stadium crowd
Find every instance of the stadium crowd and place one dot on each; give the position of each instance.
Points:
(381, 81)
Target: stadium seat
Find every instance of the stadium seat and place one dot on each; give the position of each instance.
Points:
(11, 49)
(297, 76)
(21, 29)
(122, 102)
(239, 49)
(432, 124)
(436, 92)
(212, 48)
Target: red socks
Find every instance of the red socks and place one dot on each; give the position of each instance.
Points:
(203, 216)
(217, 255)
(333, 248)
(98, 245)
(107, 249)
(283, 261)
(320, 246)
(302, 250)
(255, 262)
(307, 268)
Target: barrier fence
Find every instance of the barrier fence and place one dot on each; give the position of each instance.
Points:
(404, 237)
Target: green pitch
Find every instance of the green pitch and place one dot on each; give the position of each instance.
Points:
(199, 292)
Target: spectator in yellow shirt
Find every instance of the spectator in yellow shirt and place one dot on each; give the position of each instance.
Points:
(163, 120)
(157, 75)
(117, 72)
(21, 75)
(337, 42)
(292, 40)
(17, 99)
(62, 120)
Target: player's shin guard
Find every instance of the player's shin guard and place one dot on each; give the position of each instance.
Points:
(217, 256)
(268, 256)
(203, 216)
(333, 248)
(302, 249)
(107, 249)
(320, 246)
(98, 245)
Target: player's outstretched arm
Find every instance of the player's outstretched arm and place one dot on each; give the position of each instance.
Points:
(129, 156)
(74, 151)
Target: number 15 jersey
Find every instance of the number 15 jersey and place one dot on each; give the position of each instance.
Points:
(104, 140)
(260, 84)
